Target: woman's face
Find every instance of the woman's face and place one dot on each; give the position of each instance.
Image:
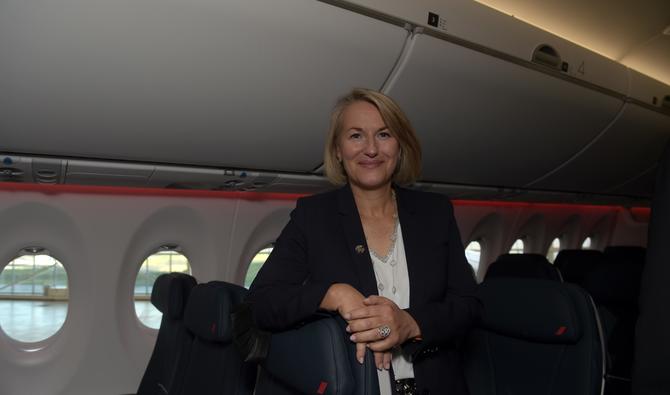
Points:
(368, 151)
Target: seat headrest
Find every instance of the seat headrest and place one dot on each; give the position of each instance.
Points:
(574, 264)
(616, 282)
(317, 354)
(523, 266)
(170, 293)
(630, 254)
(208, 310)
(533, 310)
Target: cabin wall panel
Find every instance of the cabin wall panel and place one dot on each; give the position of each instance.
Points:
(102, 240)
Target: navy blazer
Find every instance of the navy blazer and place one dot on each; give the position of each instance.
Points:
(321, 245)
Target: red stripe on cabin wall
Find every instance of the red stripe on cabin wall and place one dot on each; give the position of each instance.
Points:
(638, 212)
(132, 191)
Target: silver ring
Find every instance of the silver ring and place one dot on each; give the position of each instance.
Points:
(384, 331)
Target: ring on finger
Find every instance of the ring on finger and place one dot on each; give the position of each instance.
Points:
(384, 331)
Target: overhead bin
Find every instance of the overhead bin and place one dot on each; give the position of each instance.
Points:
(642, 185)
(487, 121)
(237, 83)
(484, 26)
(649, 91)
(626, 152)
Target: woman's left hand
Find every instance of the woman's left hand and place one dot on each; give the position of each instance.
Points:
(364, 324)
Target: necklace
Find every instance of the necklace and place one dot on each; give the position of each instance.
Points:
(391, 257)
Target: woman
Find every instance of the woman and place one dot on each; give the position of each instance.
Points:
(389, 260)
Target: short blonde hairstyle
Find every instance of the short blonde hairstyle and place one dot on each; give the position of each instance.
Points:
(409, 166)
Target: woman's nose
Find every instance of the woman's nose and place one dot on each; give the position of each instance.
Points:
(371, 147)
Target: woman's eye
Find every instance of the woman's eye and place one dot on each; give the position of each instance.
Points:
(355, 136)
(384, 134)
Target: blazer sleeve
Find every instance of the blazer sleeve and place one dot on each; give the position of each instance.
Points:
(446, 322)
(283, 293)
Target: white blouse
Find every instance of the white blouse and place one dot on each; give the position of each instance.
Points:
(393, 283)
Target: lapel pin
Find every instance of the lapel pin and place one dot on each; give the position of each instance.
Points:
(360, 249)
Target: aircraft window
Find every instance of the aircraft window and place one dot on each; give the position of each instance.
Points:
(517, 247)
(554, 248)
(165, 261)
(255, 265)
(586, 245)
(473, 253)
(34, 297)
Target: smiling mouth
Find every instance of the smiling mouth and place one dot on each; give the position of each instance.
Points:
(370, 164)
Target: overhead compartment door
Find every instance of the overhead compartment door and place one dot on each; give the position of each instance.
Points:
(487, 121)
(622, 160)
(235, 83)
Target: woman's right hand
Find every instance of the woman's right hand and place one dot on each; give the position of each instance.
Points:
(344, 298)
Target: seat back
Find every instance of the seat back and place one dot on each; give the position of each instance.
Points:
(575, 264)
(652, 348)
(169, 295)
(630, 254)
(316, 358)
(536, 337)
(615, 288)
(214, 366)
(523, 266)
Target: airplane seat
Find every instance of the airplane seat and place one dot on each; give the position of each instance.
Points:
(523, 266)
(316, 358)
(652, 348)
(214, 366)
(169, 295)
(536, 337)
(632, 254)
(575, 264)
(615, 288)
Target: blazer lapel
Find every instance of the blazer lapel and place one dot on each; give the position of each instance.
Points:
(411, 237)
(356, 244)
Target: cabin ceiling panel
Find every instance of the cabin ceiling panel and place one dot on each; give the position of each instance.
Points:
(628, 150)
(485, 121)
(653, 56)
(240, 83)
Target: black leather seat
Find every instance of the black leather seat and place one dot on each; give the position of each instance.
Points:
(536, 337)
(316, 358)
(631, 254)
(214, 366)
(523, 266)
(575, 264)
(170, 294)
(652, 343)
(615, 288)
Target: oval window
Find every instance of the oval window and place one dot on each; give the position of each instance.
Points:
(554, 248)
(587, 243)
(517, 247)
(161, 262)
(34, 297)
(256, 264)
(473, 253)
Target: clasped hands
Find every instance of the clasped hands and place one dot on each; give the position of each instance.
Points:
(365, 316)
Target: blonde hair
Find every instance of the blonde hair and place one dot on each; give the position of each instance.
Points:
(409, 164)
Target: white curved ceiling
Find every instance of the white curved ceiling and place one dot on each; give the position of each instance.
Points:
(630, 32)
